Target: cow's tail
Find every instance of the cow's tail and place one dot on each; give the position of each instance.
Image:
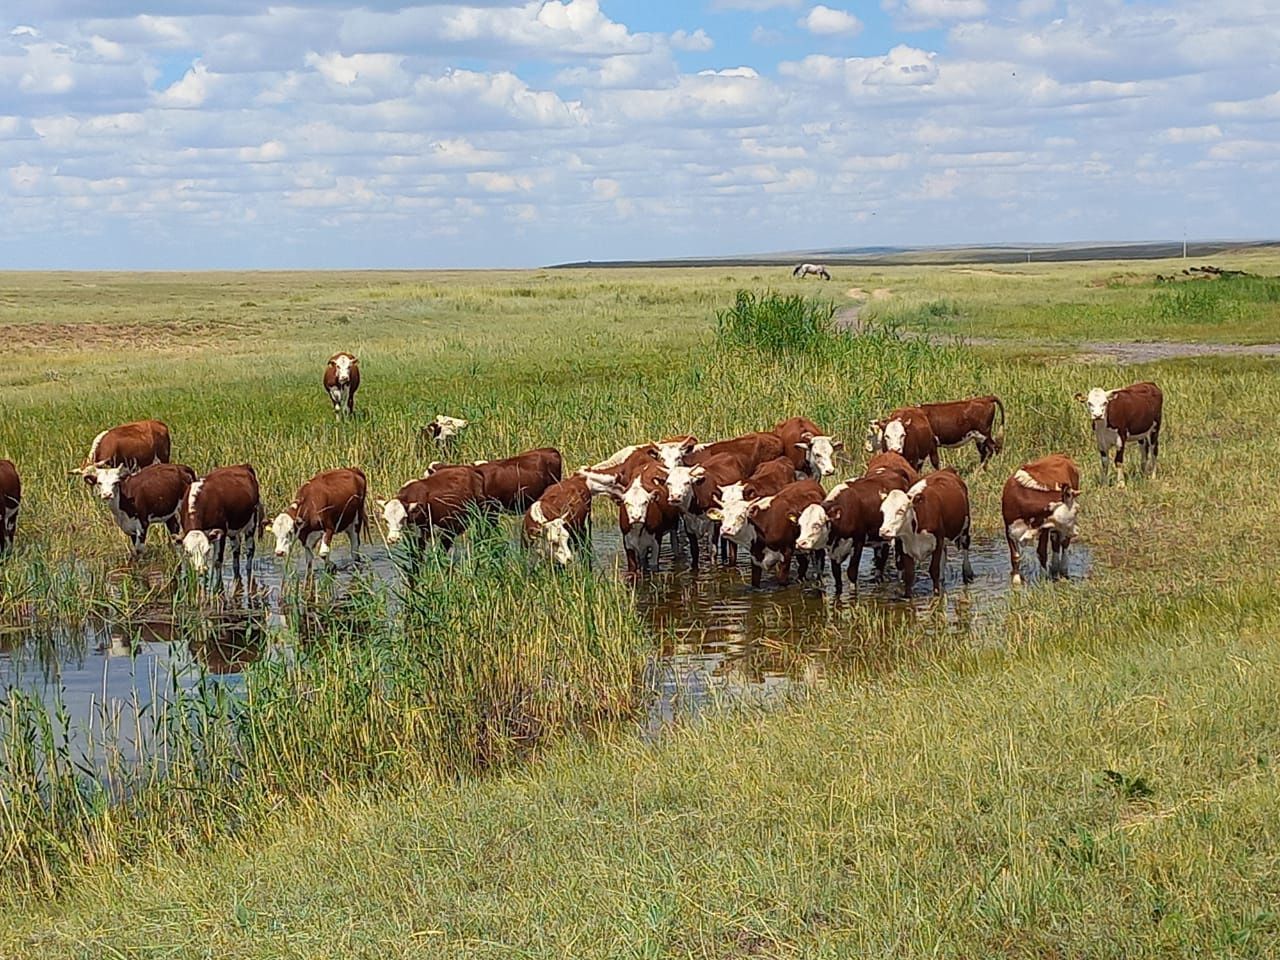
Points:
(997, 436)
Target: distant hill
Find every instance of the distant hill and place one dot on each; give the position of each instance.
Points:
(904, 256)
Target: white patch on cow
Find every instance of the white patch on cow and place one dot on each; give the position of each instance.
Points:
(815, 527)
(192, 494)
(614, 461)
(771, 559)
(733, 521)
(432, 467)
(537, 515)
(636, 501)
(731, 492)
(895, 436)
(394, 514)
(93, 447)
(680, 484)
(1062, 517)
(1024, 479)
(601, 484)
(967, 438)
(1095, 402)
(838, 489)
(555, 541)
(343, 362)
(918, 545)
(1022, 532)
(448, 427)
(285, 529)
(198, 548)
(324, 548)
(671, 453)
(895, 514)
(108, 481)
(821, 455)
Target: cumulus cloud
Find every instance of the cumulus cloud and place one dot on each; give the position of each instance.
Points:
(697, 41)
(828, 22)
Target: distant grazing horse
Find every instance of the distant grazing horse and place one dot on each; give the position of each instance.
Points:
(811, 270)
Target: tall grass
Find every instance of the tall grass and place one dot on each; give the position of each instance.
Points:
(776, 322)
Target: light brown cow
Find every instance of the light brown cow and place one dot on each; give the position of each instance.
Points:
(922, 520)
(906, 431)
(152, 495)
(122, 450)
(220, 506)
(1132, 413)
(10, 502)
(341, 381)
(439, 506)
(560, 520)
(515, 483)
(775, 523)
(1039, 502)
(331, 502)
(956, 423)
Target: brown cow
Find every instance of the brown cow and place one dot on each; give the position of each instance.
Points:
(122, 450)
(775, 523)
(895, 462)
(10, 501)
(907, 432)
(560, 520)
(812, 451)
(922, 520)
(736, 499)
(645, 516)
(1131, 413)
(1039, 502)
(515, 483)
(956, 423)
(695, 489)
(152, 495)
(341, 381)
(330, 503)
(440, 505)
(222, 505)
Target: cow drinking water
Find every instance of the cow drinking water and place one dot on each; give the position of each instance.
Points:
(1039, 502)
(330, 503)
(152, 495)
(10, 501)
(220, 506)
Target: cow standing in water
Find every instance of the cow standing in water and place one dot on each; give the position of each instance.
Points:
(437, 507)
(923, 519)
(151, 495)
(330, 503)
(341, 381)
(1039, 503)
(10, 501)
(222, 505)
(1132, 413)
(559, 521)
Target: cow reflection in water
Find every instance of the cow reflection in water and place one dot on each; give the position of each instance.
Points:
(231, 645)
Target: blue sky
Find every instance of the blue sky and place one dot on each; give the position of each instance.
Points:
(393, 133)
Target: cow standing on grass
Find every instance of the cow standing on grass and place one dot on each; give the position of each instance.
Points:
(922, 520)
(1039, 503)
(330, 503)
(956, 423)
(906, 432)
(125, 449)
(220, 506)
(1119, 416)
(10, 501)
(152, 495)
(341, 381)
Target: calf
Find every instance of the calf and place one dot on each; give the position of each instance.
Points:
(330, 503)
(222, 505)
(443, 429)
(1039, 503)
(645, 515)
(514, 483)
(956, 423)
(906, 432)
(341, 381)
(152, 495)
(560, 520)
(922, 520)
(736, 499)
(849, 518)
(694, 491)
(775, 523)
(10, 501)
(124, 449)
(812, 451)
(438, 506)
(1131, 413)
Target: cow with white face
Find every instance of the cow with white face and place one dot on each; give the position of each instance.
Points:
(223, 505)
(559, 521)
(444, 430)
(671, 452)
(341, 381)
(330, 503)
(1118, 416)
(645, 515)
(820, 454)
(922, 520)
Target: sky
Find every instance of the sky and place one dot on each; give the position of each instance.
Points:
(187, 134)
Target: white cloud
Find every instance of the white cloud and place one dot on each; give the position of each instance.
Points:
(827, 22)
(697, 41)
(1205, 134)
(606, 188)
(917, 14)
(191, 91)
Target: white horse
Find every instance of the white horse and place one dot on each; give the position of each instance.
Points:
(811, 270)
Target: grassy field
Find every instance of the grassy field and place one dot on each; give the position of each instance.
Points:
(1088, 771)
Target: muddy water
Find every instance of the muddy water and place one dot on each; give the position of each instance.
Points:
(723, 639)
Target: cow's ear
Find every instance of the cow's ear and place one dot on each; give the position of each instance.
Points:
(884, 495)
(699, 479)
(807, 436)
(1080, 398)
(803, 444)
(690, 442)
(793, 518)
(833, 513)
(653, 453)
(837, 445)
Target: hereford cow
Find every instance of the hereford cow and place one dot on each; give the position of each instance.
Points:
(560, 520)
(850, 518)
(955, 424)
(775, 523)
(330, 503)
(645, 515)
(514, 483)
(922, 520)
(151, 495)
(736, 499)
(220, 506)
(906, 432)
(1131, 413)
(124, 449)
(10, 501)
(341, 381)
(442, 429)
(1039, 503)
(695, 489)
(439, 506)
(895, 462)
(812, 451)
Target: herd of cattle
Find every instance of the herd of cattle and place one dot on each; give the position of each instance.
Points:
(761, 491)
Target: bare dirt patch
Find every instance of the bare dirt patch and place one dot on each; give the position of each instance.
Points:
(1103, 351)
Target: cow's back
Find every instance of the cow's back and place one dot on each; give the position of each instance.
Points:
(943, 505)
(156, 490)
(445, 499)
(774, 523)
(342, 491)
(1136, 408)
(769, 478)
(226, 498)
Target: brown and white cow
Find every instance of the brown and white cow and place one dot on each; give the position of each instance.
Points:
(895, 462)
(1039, 502)
(152, 495)
(736, 499)
(695, 491)
(331, 502)
(222, 505)
(341, 381)
(560, 520)
(775, 523)
(10, 502)
(1131, 413)
(439, 506)
(124, 449)
(442, 430)
(850, 518)
(514, 483)
(922, 520)
(645, 515)
(812, 451)
(907, 432)
(956, 423)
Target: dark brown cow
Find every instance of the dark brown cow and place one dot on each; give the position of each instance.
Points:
(220, 506)
(341, 381)
(438, 506)
(850, 517)
(330, 503)
(735, 501)
(907, 432)
(1132, 413)
(515, 483)
(809, 449)
(956, 423)
(775, 523)
(1039, 503)
(560, 520)
(10, 502)
(645, 516)
(922, 520)
(152, 495)
(122, 450)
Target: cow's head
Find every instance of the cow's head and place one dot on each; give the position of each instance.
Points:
(671, 453)
(285, 529)
(681, 481)
(395, 515)
(875, 437)
(820, 453)
(895, 436)
(636, 500)
(433, 467)
(343, 363)
(552, 541)
(602, 483)
(443, 429)
(735, 518)
(815, 525)
(198, 546)
(1095, 402)
(897, 513)
(731, 492)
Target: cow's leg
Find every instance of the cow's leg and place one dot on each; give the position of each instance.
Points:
(693, 547)
(1042, 549)
(881, 553)
(933, 459)
(1015, 561)
(235, 558)
(757, 563)
(1155, 446)
(1104, 460)
(353, 534)
(984, 452)
(1120, 444)
(1063, 543)
(326, 544)
(803, 563)
(835, 575)
(310, 561)
(907, 564)
(351, 402)
(936, 564)
(784, 566)
(966, 544)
